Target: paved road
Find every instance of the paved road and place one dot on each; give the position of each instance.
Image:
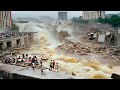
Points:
(27, 71)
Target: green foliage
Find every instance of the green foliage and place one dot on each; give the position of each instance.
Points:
(106, 20)
(113, 20)
(14, 27)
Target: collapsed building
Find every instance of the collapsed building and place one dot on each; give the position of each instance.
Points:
(10, 40)
(106, 37)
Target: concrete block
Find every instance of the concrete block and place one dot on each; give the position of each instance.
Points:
(101, 38)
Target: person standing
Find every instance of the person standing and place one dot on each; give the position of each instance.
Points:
(26, 56)
(19, 59)
(33, 63)
(36, 62)
(53, 64)
(41, 62)
(30, 60)
(23, 55)
(13, 60)
(56, 67)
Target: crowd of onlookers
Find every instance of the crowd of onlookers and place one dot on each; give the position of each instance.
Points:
(14, 34)
(31, 61)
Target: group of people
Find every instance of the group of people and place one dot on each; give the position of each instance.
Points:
(53, 66)
(8, 60)
(14, 34)
(33, 61)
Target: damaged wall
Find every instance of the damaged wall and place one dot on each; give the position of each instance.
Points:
(117, 39)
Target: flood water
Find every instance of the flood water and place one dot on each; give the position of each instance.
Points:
(47, 39)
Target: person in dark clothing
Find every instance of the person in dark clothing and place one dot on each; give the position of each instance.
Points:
(23, 55)
(33, 60)
(36, 62)
(33, 63)
(19, 59)
(5, 60)
(35, 57)
(26, 56)
(41, 62)
(13, 60)
(53, 64)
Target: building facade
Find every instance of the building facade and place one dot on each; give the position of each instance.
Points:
(62, 15)
(5, 20)
(92, 15)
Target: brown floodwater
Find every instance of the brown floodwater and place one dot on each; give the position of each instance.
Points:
(89, 56)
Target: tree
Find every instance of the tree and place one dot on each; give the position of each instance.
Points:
(115, 21)
(100, 20)
(106, 20)
(14, 26)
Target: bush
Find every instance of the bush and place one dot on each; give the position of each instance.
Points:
(14, 27)
(113, 20)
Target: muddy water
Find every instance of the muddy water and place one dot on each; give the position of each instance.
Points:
(83, 69)
(103, 60)
(48, 43)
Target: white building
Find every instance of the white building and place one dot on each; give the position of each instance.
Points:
(92, 15)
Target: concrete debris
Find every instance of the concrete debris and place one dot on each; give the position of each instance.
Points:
(73, 74)
(101, 38)
(73, 48)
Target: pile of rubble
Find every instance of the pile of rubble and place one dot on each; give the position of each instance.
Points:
(101, 26)
(84, 48)
(72, 48)
(109, 51)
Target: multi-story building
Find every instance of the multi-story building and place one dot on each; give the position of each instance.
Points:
(62, 15)
(92, 15)
(5, 20)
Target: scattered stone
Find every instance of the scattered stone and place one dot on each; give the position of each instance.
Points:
(73, 74)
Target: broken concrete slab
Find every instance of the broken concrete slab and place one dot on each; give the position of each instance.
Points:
(101, 38)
